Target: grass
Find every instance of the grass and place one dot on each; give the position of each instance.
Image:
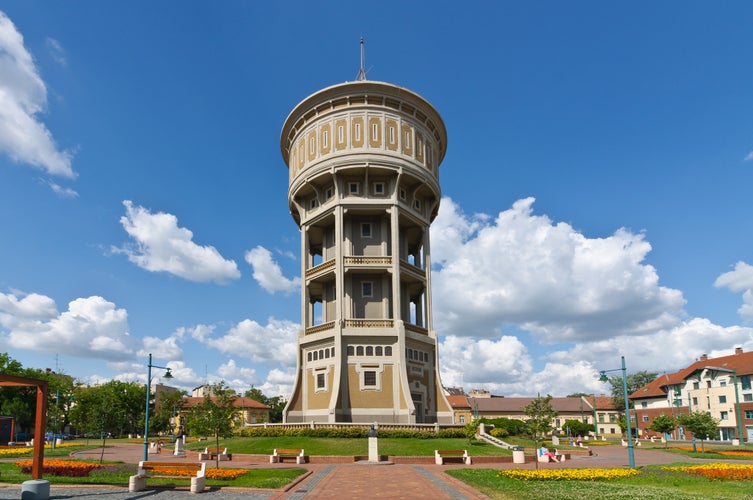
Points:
(351, 447)
(652, 483)
(118, 474)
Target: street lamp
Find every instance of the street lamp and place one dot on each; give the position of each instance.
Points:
(168, 376)
(603, 378)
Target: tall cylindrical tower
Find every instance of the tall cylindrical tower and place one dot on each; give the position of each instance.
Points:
(364, 161)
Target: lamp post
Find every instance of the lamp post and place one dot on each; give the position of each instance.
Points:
(603, 378)
(168, 376)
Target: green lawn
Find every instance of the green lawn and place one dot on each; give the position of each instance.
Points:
(351, 446)
(118, 474)
(652, 483)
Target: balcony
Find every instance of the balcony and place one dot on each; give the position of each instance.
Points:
(366, 261)
(311, 330)
(320, 269)
(369, 323)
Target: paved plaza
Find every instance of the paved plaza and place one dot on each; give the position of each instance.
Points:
(357, 480)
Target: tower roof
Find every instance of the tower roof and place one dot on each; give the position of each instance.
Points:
(327, 99)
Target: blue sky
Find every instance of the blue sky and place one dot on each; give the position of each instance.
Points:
(596, 188)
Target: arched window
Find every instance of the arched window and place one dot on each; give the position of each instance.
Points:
(378, 350)
(369, 351)
(359, 350)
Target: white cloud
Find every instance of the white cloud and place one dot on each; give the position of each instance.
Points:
(161, 245)
(161, 348)
(268, 273)
(740, 280)
(546, 277)
(278, 383)
(237, 377)
(483, 363)
(61, 191)
(91, 327)
(275, 342)
(749, 156)
(23, 95)
(56, 50)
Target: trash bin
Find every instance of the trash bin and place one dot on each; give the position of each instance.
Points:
(518, 455)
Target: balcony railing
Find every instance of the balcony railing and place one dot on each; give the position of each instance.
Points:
(324, 266)
(320, 328)
(370, 260)
(368, 323)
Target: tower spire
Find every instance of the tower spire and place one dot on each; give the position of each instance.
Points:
(362, 69)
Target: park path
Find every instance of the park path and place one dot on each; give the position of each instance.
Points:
(353, 480)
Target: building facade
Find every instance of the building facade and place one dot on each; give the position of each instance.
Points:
(719, 386)
(363, 160)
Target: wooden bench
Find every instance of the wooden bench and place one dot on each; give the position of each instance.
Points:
(441, 455)
(546, 458)
(215, 453)
(279, 454)
(166, 470)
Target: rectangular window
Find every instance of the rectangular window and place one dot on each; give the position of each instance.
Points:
(601, 421)
(695, 401)
(722, 399)
(417, 204)
(644, 404)
(723, 415)
(747, 397)
(379, 188)
(329, 193)
(462, 419)
(367, 289)
(696, 385)
(369, 378)
(403, 194)
(745, 381)
(366, 230)
(749, 414)
(722, 383)
(312, 203)
(320, 380)
(354, 188)
(645, 418)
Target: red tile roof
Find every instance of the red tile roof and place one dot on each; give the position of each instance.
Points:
(458, 402)
(510, 405)
(189, 402)
(740, 361)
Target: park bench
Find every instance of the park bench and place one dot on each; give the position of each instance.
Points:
(169, 470)
(279, 454)
(215, 453)
(547, 458)
(440, 456)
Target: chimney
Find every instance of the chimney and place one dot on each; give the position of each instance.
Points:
(704, 357)
(738, 351)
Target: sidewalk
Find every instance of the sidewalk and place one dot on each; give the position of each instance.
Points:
(356, 480)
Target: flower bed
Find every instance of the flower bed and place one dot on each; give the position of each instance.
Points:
(718, 471)
(68, 468)
(568, 474)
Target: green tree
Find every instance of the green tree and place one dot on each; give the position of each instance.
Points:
(664, 424)
(577, 428)
(167, 405)
(634, 382)
(540, 416)
(214, 416)
(701, 424)
(276, 404)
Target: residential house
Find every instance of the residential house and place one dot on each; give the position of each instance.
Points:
(720, 386)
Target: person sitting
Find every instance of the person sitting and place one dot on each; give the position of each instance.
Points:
(544, 452)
